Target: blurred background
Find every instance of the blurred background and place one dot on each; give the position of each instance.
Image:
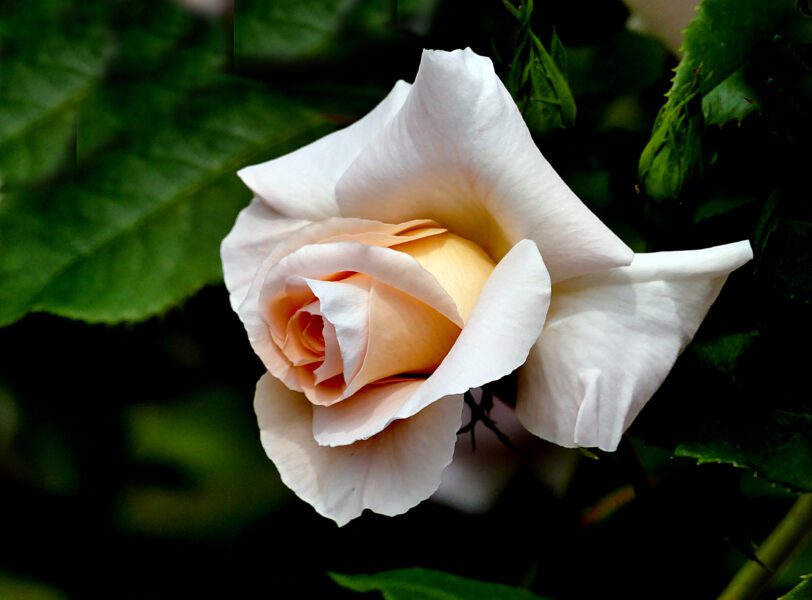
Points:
(130, 463)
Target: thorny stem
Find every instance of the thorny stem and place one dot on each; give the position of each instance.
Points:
(787, 538)
(481, 413)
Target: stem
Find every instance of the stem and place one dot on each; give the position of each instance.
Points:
(788, 537)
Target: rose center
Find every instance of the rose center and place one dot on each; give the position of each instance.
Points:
(347, 330)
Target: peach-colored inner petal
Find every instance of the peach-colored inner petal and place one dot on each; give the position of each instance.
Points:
(405, 336)
(345, 330)
(391, 235)
(332, 365)
(304, 340)
(461, 267)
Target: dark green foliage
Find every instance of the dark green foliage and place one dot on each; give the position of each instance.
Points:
(721, 41)
(537, 78)
(424, 584)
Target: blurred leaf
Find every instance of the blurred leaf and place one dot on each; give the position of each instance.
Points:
(17, 588)
(220, 475)
(787, 258)
(41, 89)
(538, 81)
(626, 62)
(731, 100)
(766, 223)
(8, 419)
(47, 455)
(803, 591)
(378, 15)
(164, 56)
(721, 204)
(724, 354)
(425, 584)
(776, 444)
(718, 42)
(140, 229)
(286, 30)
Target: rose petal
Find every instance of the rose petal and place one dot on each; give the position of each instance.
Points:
(495, 341)
(257, 230)
(332, 365)
(610, 340)
(327, 231)
(406, 336)
(320, 261)
(345, 304)
(459, 152)
(461, 267)
(388, 474)
(301, 184)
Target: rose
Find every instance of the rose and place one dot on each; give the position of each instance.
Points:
(428, 239)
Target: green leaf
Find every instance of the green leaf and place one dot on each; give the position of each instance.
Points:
(718, 42)
(776, 444)
(425, 584)
(803, 591)
(723, 36)
(732, 100)
(139, 230)
(40, 92)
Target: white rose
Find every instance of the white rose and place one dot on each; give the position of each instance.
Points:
(387, 268)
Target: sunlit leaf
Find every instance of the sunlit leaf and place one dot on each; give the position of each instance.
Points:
(41, 90)
(140, 229)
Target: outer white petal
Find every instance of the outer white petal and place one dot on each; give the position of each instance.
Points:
(388, 474)
(301, 184)
(611, 338)
(459, 152)
(257, 230)
(495, 341)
